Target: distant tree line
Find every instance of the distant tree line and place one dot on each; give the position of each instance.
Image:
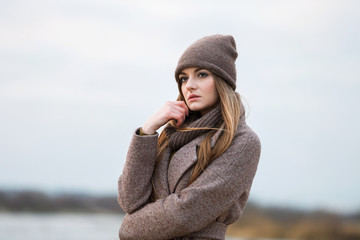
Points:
(35, 201)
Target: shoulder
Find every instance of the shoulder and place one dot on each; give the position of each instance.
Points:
(245, 142)
(238, 164)
(242, 155)
(245, 137)
(244, 151)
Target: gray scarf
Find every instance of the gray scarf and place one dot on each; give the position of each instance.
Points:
(177, 139)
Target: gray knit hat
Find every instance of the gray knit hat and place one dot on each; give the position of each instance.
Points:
(216, 53)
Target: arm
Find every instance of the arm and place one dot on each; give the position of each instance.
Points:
(134, 185)
(223, 182)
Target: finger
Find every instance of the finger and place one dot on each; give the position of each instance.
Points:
(179, 109)
(178, 117)
(184, 106)
(178, 106)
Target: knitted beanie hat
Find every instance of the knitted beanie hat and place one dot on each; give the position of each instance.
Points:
(216, 53)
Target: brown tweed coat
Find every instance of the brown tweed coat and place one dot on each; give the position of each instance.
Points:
(202, 210)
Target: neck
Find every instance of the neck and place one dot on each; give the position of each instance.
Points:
(203, 112)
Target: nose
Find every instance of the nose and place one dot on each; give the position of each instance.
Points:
(191, 83)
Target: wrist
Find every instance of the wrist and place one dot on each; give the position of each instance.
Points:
(146, 131)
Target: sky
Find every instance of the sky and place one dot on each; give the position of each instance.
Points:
(78, 77)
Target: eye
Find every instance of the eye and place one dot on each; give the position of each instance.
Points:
(183, 79)
(203, 74)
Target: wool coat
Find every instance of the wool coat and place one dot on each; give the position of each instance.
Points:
(202, 210)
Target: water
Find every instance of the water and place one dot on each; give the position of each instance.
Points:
(60, 226)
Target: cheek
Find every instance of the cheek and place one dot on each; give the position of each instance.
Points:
(183, 91)
(212, 92)
(215, 97)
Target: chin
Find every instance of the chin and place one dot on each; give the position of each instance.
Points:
(195, 108)
(198, 109)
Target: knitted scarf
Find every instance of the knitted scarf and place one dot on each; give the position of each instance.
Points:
(177, 139)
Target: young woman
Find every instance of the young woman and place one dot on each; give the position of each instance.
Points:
(194, 179)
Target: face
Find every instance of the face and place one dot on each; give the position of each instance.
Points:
(198, 89)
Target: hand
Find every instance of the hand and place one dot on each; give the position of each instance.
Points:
(176, 110)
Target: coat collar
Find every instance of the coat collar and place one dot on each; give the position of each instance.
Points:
(185, 158)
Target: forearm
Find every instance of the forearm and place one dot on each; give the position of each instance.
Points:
(134, 186)
(162, 219)
(179, 214)
(223, 183)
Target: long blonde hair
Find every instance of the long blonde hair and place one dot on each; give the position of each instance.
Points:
(231, 109)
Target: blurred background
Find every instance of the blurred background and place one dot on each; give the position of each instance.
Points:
(77, 77)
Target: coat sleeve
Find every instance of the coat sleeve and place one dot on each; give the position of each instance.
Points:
(134, 185)
(223, 182)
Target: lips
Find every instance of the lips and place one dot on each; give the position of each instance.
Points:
(193, 97)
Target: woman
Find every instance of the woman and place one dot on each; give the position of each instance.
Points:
(194, 179)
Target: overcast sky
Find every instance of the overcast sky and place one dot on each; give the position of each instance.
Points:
(77, 77)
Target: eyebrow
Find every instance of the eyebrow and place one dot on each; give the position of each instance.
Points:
(196, 70)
